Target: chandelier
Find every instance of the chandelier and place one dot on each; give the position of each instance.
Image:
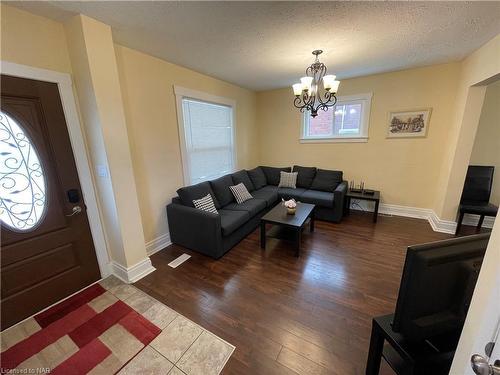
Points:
(307, 93)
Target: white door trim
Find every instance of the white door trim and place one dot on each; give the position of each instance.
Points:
(78, 145)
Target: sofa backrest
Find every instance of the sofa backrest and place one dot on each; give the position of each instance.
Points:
(305, 176)
(254, 179)
(221, 189)
(258, 177)
(326, 180)
(273, 174)
(243, 177)
(188, 193)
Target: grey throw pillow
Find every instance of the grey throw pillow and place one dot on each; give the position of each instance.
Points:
(206, 204)
(288, 180)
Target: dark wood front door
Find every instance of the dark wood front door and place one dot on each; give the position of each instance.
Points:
(47, 252)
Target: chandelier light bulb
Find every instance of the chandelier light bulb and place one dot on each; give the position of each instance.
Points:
(306, 83)
(335, 86)
(328, 81)
(297, 89)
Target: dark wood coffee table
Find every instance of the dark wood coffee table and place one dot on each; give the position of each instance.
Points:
(287, 227)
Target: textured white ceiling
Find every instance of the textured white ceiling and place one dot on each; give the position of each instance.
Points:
(265, 45)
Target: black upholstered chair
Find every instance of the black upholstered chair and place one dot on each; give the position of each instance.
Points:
(476, 195)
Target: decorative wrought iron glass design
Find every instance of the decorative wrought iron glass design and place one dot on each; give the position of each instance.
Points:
(307, 93)
(22, 181)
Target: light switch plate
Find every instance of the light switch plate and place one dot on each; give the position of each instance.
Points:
(102, 170)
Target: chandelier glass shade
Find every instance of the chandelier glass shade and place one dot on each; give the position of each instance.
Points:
(308, 94)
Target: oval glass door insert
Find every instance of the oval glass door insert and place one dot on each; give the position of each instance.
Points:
(22, 181)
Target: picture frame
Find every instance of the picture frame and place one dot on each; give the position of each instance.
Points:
(409, 124)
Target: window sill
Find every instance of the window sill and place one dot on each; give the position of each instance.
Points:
(335, 140)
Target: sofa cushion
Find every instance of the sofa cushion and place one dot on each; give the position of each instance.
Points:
(319, 198)
(268, 193)
(270, 188)
(242, 177)
(258, 177)
(326, 180)
(273, 174)
(305, 177)
(252, 206)
(230, 220)
(221, 190)
(288, 193)
(188, 194)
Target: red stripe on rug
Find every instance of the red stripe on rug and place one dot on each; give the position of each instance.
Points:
(99, 323)
(28, 347)
(140, 327)
(83, 360)
(71, 304)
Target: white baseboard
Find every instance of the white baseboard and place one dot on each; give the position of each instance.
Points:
(133, 273)
(158, 243)
(143, 268)
(437, 224)
(440, 225)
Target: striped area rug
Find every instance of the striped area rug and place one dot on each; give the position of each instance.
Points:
(84, 334)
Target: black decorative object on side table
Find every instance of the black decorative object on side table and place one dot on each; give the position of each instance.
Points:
(365, 194)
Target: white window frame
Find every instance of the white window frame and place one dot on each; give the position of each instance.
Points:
(185, 93)
(366, 100)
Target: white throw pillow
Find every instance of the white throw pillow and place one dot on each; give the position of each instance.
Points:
(206, 204)
(288, 180)
(240, 193)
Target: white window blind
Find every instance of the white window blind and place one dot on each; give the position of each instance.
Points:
(208, 133)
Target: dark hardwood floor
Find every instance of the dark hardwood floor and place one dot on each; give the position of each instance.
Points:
(287, 315)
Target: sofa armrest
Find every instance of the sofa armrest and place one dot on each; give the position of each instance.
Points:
(195, 229)
(339, 196)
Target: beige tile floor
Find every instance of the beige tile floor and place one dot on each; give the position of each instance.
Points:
(182, 348)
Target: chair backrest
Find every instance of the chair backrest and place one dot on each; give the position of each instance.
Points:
(478, 182)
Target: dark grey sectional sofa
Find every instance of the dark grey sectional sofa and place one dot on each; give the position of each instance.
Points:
(215, 234)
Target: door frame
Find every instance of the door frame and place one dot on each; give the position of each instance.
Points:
(79, 148)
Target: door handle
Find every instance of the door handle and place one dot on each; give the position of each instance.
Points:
(480, 366)
(75, 211)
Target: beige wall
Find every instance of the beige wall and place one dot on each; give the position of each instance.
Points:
(33, 40)
(477, 70)
(405, 170)
(486, 150)
(150, 108)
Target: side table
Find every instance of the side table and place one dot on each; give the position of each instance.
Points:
(375, 197)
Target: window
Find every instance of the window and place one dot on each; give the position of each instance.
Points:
(347, 121)
(22, 180)
(207, 134)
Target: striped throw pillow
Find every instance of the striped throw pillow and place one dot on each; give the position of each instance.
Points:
(288, 180)
(206, 204)
(240, 193)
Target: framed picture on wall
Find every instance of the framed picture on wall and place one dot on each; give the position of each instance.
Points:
(409, 124)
